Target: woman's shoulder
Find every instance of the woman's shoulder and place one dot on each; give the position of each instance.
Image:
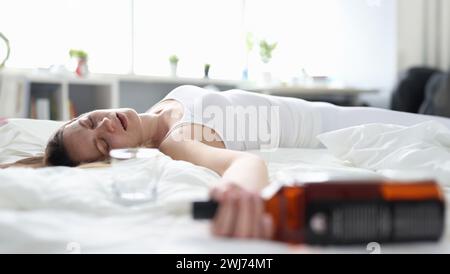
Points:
(186, 132)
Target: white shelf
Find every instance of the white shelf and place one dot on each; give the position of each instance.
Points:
(101, 79)
(98, 91)
(178, 80)
(62, 79)
(312, 90)
(141, 92)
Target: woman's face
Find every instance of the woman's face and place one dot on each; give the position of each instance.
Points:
(91, 136)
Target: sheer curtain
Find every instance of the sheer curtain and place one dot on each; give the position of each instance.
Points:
(424, 33)
(437, 33)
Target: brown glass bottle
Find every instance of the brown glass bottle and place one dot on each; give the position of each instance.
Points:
(341, 213)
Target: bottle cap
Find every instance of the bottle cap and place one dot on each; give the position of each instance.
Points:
(204, 210)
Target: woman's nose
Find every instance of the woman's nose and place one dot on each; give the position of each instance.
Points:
(107, 124)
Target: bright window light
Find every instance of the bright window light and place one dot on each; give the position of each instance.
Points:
(199, 32)
(305, 32)
(41, 33)
(349, 39)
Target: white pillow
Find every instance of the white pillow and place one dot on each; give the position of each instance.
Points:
(21, 138)
(382, 147)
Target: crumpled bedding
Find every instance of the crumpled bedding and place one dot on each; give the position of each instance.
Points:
(422, 150)
(75, 210)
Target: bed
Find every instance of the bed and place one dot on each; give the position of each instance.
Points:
(75, 210)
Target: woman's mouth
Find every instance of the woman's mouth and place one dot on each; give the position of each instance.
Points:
(123, 120)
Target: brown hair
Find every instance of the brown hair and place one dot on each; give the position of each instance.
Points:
(55, 154)
(33, 162)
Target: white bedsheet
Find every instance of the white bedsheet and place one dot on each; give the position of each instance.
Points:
(420, 150)
(70, 210)
(59, 210)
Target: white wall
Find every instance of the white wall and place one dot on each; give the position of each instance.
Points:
(423, 33)
(410, 33)
(369, 36)
(353, 41)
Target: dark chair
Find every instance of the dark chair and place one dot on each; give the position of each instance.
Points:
(437, 96)
(409, 95)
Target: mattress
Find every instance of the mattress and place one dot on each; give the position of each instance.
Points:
(74, 210)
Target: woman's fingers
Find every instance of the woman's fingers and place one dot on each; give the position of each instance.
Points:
(216, 194)
(240, 214)
(259, 214)
(225, 219)
(245, 219)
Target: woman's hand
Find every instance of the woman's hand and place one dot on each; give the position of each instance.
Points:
(240, 214)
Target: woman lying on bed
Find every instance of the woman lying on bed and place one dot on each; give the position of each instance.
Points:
(213, 129)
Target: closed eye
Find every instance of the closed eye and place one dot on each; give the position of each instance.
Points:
(87, 122)
(91, 123)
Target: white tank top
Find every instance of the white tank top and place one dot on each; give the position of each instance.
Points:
(249, 121)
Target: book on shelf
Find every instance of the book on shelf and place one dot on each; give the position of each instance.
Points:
(40, 108)
(72, 110)
(33, 114)
(54, 109)
(43, 108)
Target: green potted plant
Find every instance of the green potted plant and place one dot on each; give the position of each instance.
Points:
(206, 70)
(173, 60)
(82, 57)
(265, 51)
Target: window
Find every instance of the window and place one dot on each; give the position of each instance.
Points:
(350, 40)
(199, 32)
(353, 40)
(41, 33)
(305, 32)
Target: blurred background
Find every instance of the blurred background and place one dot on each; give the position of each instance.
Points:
(65, 57)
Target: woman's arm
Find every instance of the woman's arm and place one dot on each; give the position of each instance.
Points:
(248, 171)
(241, 209)
(244, 169)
